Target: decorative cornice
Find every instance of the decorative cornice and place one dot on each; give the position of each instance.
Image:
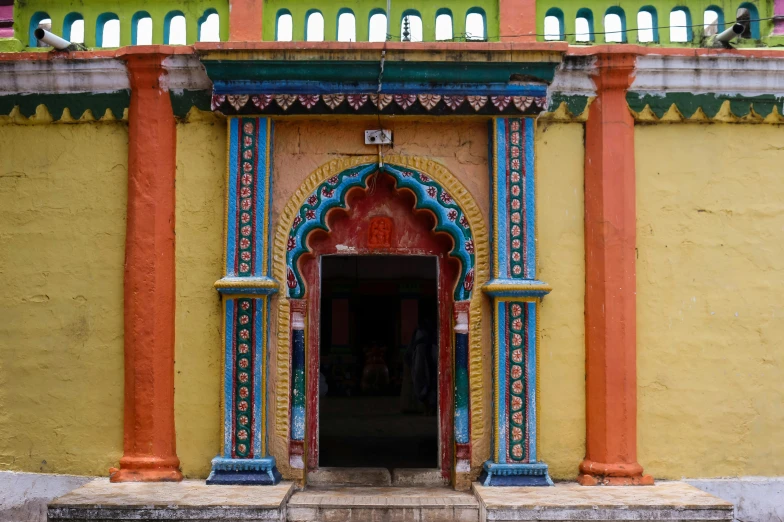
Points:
(63, 76)
(361, 103)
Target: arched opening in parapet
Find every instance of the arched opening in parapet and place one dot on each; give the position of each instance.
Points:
(680, 25)
(107, 30)
(209, 26)
(347, 26)
(377, 26)
(411, 26)
(284, 26)
(753, 30)
(476, 24)
(554, 24)
(73, 28)
(444, 29)
(141, 28)
(712, 21)
(174, 28)
(583, 26)
(314, 26)
(647, 25)
(615, 25)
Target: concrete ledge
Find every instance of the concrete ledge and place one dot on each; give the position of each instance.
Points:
(189, 500)
(670, 501)
(23, 496)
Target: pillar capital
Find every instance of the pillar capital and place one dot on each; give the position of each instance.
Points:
(245, 20)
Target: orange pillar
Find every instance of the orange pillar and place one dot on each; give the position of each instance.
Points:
(517, 20)
(610, 281)
(149, 446)
(245, 20)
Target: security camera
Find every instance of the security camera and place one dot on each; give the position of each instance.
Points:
(52, 40)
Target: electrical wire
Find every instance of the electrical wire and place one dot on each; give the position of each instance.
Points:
(468, 37)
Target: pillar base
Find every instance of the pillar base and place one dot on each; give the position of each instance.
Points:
(146, 475)
(494, 474)
(604, 474)
(244, 472)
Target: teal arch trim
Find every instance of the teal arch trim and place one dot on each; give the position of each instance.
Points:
(430, 195)
(99, 23)
(342, 11)
(167, 20)
(35, 20)
(616, 10)
(654, 21)
(689, 28)
(374, 12)
(137, 17)
(719, 11)
(203, 18)
(480, 11)
(588, 15)
(283, 12)
(558, 14)
(68, 22)
(754, 27)
(307, 22)
(411, 13)
(448, 12)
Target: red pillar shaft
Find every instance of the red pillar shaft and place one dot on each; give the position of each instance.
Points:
(245, 17)
(610, 282)
(517, 20)
(149, 444)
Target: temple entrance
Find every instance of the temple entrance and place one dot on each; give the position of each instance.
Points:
(379, 354)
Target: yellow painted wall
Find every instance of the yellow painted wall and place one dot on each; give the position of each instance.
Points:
(710, 280)
(63, 192)
(561, 262)
(201, 171)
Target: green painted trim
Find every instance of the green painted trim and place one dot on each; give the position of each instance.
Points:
(91, 10)
(362, 10)
(77, 103)
(688, 103)
(576, 103)
(182, 101)
(362, 71)
(10, 45)
(663, 8)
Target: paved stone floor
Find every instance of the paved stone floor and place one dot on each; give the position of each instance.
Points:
(193, 500)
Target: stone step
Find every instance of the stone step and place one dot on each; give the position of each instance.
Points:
(347, 477)
(382, 504)
(189, 500)
(665, 501)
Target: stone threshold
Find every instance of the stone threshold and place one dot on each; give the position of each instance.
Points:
(190, 500)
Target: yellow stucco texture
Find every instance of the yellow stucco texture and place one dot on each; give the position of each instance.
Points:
(201, 171)
(63, 191)
(710, 280)
(561, 262)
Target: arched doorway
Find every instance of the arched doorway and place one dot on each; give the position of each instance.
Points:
(379, 220)
(356, 208)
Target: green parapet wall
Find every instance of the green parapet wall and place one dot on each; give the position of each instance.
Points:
(363, 9)
(568, 10)
(26, 13)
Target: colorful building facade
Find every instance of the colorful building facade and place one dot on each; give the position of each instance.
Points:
(605, 221)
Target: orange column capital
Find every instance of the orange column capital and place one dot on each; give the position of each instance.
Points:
(245, 20)
(517, 20)
(610, 281)
(149, 443)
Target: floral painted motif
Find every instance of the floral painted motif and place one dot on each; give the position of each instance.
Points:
(356, 101)
(243, 376)
(517, 336)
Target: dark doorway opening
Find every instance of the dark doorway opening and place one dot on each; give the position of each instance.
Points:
(378, 381)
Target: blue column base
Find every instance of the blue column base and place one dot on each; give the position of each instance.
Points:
(494, 474)
(244, 472)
